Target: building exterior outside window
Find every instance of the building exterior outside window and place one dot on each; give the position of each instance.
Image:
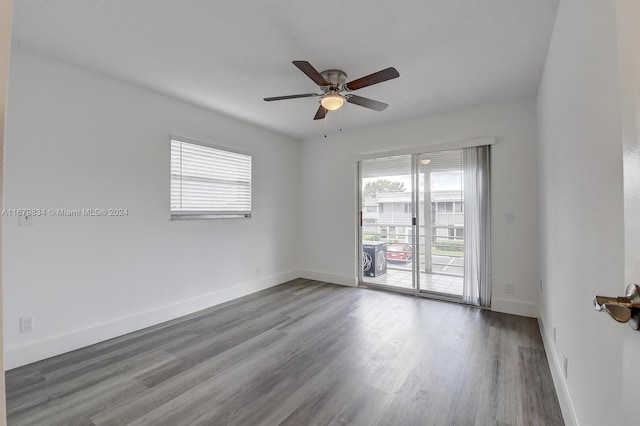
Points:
(388, 216)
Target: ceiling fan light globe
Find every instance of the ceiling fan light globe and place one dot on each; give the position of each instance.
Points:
(332, 102)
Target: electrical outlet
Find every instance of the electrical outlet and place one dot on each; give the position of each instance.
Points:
(566, 367)
(540, 285)
(555, 334)
(26, 324)
(508, 216)
(509, 288)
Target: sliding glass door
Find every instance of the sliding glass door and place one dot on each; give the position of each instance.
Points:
(412, 220)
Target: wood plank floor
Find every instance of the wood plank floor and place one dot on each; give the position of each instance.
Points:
(301, 353)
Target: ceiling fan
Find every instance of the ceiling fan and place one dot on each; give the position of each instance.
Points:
(335, 91)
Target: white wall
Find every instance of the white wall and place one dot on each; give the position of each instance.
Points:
(79, 140)
(328, 194)
(581, 209)
(5, 47)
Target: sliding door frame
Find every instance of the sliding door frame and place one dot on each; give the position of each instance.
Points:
(415, 234)
(415, 291)
(415, 197)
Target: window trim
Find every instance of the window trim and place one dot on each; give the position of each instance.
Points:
(197, 215)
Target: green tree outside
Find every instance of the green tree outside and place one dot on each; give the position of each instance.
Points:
(382, 185)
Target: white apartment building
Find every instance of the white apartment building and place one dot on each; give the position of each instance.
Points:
(388, 216)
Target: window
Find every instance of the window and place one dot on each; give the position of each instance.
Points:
(456, 233)
(209, 183)
(445, 207)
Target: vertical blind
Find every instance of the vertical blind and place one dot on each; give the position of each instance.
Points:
(207, 181)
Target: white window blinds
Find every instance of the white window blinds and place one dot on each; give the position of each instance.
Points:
(207, 181)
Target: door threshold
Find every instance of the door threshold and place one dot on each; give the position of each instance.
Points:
(412, 292)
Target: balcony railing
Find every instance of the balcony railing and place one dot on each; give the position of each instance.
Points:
(447, 251)
(395, 218)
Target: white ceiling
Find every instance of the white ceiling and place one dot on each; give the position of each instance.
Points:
(228, 55)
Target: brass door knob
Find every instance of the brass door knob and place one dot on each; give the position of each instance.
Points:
(622, 309)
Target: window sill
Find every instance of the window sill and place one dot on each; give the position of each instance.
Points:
(208, 216)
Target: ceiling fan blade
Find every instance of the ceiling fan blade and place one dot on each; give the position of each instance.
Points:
(321, 113)
(280, 98)
(366, 102)
(375, 78)
(311, 72)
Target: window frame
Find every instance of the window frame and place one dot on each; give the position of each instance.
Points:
(209, 214)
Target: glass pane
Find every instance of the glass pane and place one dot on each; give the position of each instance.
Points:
(387, 227)
(441, 230)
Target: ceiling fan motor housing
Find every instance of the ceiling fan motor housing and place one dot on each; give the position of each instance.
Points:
(337, 78)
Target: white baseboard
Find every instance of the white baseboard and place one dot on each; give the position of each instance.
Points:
(52, 346)
(566, 406)
(329, 278)
(515, 307)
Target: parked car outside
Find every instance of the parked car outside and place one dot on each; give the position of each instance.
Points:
(399, 252)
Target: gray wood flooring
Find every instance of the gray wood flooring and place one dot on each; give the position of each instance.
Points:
(301, 353)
